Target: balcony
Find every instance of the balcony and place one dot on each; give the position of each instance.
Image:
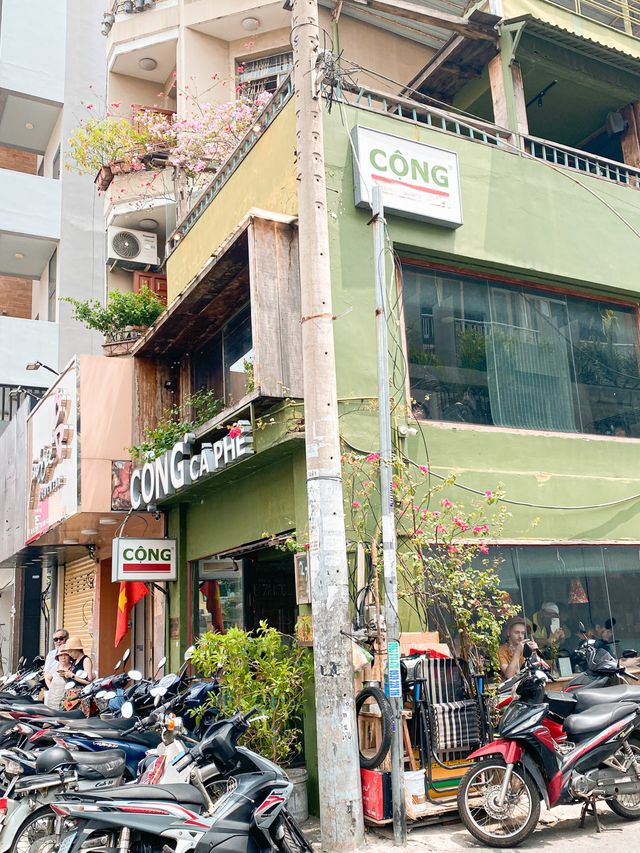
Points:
(24, 341)
(29, 222)
(621, 15)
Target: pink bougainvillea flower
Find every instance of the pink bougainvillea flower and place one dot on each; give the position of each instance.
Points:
(461, 523)
(446, 503)
(240, 69)
(306, 546)
(453, 549)
(484, 549)
(235, 431)
(418, 531)
(89, 106)
(356, 504)
(423, 468)
(435, 514)
(440, 528)
(373, 457)
(488, 494)
(116, 106)
(366, 484)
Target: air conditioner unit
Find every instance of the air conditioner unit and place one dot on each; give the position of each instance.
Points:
(131, 248)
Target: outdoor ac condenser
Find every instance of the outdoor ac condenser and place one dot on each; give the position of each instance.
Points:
(131, 248)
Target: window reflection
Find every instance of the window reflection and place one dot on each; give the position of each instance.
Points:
(484, 352)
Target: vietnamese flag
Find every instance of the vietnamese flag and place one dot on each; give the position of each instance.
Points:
(131, 592)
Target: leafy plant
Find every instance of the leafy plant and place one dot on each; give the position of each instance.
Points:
(172, 426)
(418, 355)
(445, 570)
(262, 670)
(250, 382)
(124, 309)
(99, 142)
(471, 349)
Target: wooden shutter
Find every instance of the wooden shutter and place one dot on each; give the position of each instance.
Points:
(156, 283)
(77, 604)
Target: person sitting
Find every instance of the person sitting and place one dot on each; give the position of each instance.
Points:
(510, 653)
(547, 631)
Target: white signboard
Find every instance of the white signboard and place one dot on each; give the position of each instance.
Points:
(52, 446)
(179, 467)
(144, 560)
(417, 180)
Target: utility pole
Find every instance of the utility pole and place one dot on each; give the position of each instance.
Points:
(341, 819)
(388, 525)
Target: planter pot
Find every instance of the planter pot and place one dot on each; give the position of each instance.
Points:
(103, 178)
(299, 803)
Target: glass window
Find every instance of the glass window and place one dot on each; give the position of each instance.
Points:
(53, 275)
(55, 165)
(238, 355)
(218, 594)
(484, 352)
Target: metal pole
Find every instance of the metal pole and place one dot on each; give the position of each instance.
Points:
(341, 819)
(388, 526)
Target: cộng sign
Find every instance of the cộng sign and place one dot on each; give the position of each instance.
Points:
(150, 560)
(418, 180)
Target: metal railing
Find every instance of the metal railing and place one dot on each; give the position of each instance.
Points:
(581, 161)
(275, 106)
(621, 15)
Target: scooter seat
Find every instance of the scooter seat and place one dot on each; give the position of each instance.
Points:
(119, 724)
(597, 719)
(107, 764)
(148, 739)
(606, 695)
(36, 710)
(179, 792)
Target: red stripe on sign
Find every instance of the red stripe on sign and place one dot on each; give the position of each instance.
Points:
(411, 186)
(146, 567)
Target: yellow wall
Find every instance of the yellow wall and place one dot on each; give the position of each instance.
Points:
(266, 179)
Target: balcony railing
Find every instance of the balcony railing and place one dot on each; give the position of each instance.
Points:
(620, 14)
(581, 161)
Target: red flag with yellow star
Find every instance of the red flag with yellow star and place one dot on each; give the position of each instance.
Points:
(131, 592)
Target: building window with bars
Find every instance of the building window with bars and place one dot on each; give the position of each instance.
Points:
(264, 74)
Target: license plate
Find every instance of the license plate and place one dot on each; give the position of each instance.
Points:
(67, 843)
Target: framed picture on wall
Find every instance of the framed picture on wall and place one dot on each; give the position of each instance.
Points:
(303, 587)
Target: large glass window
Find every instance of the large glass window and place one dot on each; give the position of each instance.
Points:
(218, 596)
(588, 584)
(225, 363)
(485, 352)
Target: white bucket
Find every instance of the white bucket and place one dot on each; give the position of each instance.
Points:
(299, 804)
(415, 794)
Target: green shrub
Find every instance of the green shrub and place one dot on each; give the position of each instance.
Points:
(123, 310)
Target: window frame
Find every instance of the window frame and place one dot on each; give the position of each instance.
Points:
(536, 285)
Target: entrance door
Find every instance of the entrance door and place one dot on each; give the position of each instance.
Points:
(270, 592)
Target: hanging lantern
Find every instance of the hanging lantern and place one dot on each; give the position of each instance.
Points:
(577, 594)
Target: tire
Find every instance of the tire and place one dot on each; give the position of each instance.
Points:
(46, 844)
(37, 825)
(293, 841)
(627, 806)
(472, 812)
(370, 762)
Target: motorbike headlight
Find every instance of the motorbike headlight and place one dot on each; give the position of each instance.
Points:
(12, 768)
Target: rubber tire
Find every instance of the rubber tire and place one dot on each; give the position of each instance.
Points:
(489, 840)
(371, 762)
(35, 815)
(615, 806)
(293, 840)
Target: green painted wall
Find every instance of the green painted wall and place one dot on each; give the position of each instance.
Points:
(524, 219)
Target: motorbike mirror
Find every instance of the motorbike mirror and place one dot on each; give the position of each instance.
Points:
(101, 694)
(161, 663)
(581, 628)
(81, 673)
(167, 680)
(117, 666)
(70, 685)
(154, 691)
(127, 710)
(156, 701)
(189, 652)
(126, 656)
(111, 694)
(135, 675)
(629, 653)
(527, 651)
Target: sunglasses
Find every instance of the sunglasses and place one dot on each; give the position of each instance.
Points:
(59, 639)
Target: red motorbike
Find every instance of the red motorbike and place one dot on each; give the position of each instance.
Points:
(499, 797)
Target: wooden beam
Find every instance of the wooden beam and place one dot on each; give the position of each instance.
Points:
(436, 62)
(630, 139)
(432, 17)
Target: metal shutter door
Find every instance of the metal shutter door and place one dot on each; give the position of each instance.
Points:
(77, 606)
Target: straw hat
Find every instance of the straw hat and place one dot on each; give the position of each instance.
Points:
(73, 644)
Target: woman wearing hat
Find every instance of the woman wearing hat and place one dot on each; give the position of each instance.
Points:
(58, 683)
(547, 630)
(79, 662)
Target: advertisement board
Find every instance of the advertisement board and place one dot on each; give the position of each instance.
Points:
(144, 560)
(418, 180)
(52, 448)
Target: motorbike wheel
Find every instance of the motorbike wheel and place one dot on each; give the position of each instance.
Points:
(377, 696)
(627, 805)
(293, 841)
(498, 826)
(36, 826)
(46, 844)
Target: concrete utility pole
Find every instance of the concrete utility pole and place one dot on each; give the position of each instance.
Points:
(388, 525)
(341, 819)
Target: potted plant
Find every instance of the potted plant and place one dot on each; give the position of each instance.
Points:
(123, 318)
(105, 147)
(262, 669)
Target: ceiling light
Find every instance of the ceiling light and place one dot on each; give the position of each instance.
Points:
(28, 125)
(69, 541)
(147, 63)
(19, 255)
(250, 24)
(88, 531)
(106, 521)
(148, 224)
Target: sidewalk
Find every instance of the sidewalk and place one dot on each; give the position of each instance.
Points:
(557, 830)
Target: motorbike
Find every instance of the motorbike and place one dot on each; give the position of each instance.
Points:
(249, 816)
(499, 797)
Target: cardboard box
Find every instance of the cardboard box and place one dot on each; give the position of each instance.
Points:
(422, 640)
